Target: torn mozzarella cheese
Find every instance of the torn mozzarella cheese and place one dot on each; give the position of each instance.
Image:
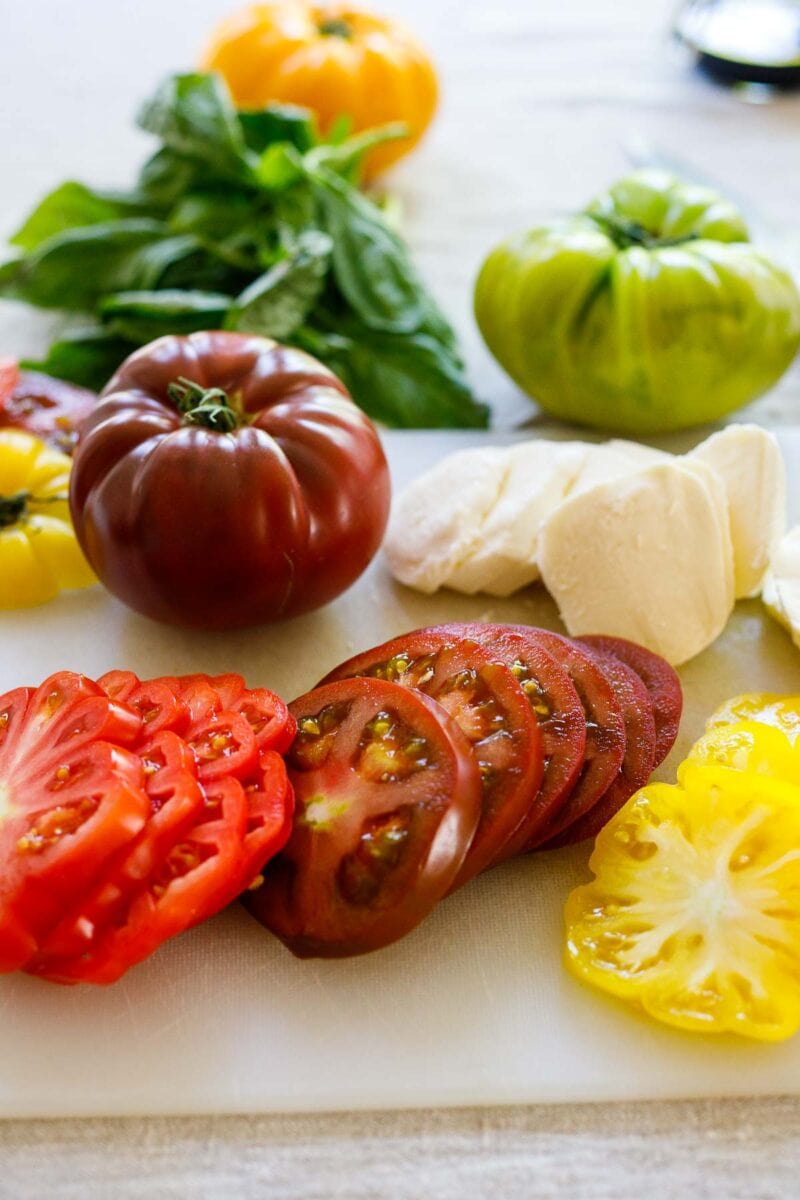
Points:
(748, 459)
(644, 557)
(781, 592)
(436, 521)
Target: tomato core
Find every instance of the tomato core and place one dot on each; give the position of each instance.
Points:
(13, 509)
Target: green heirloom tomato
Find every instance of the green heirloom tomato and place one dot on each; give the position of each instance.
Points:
(648, 312)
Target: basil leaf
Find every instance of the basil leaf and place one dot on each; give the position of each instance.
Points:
(87, 357)
(278, 123)
(371, 265)
(165, 177)
(143, 316)
(410, 382)
(70, 206)
(73, 269)
(278, 302)
(194, 117)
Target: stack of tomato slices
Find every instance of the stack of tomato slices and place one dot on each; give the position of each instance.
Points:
(444, 752)
(130, 812)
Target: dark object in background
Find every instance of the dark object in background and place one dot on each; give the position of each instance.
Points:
(744, 41)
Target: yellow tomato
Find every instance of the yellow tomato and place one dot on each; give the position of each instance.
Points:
(694, 912)
(39, 555)
(336, 60)
(765, 708)
(748, 746)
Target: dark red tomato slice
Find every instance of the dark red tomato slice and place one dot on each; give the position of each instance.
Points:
(658, 677)
(388, 797)
(605, 732)
(558, 710)
(640, 749)
(493, 712)
(48, 408)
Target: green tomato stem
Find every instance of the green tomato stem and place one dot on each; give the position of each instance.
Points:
(335, 27)
(209, 407)
(625, 234)
(14, 508)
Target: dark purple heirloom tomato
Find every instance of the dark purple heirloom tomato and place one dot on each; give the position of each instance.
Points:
(224, 480)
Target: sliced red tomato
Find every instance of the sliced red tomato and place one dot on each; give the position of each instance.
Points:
(9, 378)
(182, 876)
(660, 679)
(640, 751)
(48, 408)
(558, 710)
(388, 801)
(605, 732)
(489, 705)
(70, 798)
(266, 713)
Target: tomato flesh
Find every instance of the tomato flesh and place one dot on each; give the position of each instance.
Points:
(640, 751)
(558, 711)
(388, 800)
(490, 707)
(69, 800)
(605, 733)
(660, 679)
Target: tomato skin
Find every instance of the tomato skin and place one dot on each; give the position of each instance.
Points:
(46, 407)
(464, 677)
(302, 899)
(214, 530)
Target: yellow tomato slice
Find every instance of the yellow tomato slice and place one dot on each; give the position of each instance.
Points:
(694, 912)
(766, 708)
(747, 746)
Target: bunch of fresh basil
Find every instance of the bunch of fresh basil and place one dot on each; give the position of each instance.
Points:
(243, 220)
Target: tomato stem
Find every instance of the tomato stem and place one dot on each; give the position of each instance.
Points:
(209, 407)
(625, 233)
(14, 508)
(335, 27)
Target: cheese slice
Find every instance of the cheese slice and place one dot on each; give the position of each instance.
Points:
(646, 557)
(505, 556)
(781, 592)
(748, 459)
(436, 522)
(613, 460)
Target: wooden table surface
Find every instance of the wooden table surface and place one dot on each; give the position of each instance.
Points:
(544, 102)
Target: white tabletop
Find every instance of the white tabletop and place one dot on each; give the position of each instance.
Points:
(543, 103)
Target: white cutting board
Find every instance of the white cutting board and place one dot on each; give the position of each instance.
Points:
(474, 1007)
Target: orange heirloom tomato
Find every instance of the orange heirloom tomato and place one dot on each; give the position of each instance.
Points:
(333, 59)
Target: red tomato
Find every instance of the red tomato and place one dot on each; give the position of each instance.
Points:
(640, 746)
(660, 679)
(557, 709)
(489, 705)
(225, 480)
(605, 731)
(388, 800)
(48, 408)
(69, 799)
(202, 848)
(9, 377)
